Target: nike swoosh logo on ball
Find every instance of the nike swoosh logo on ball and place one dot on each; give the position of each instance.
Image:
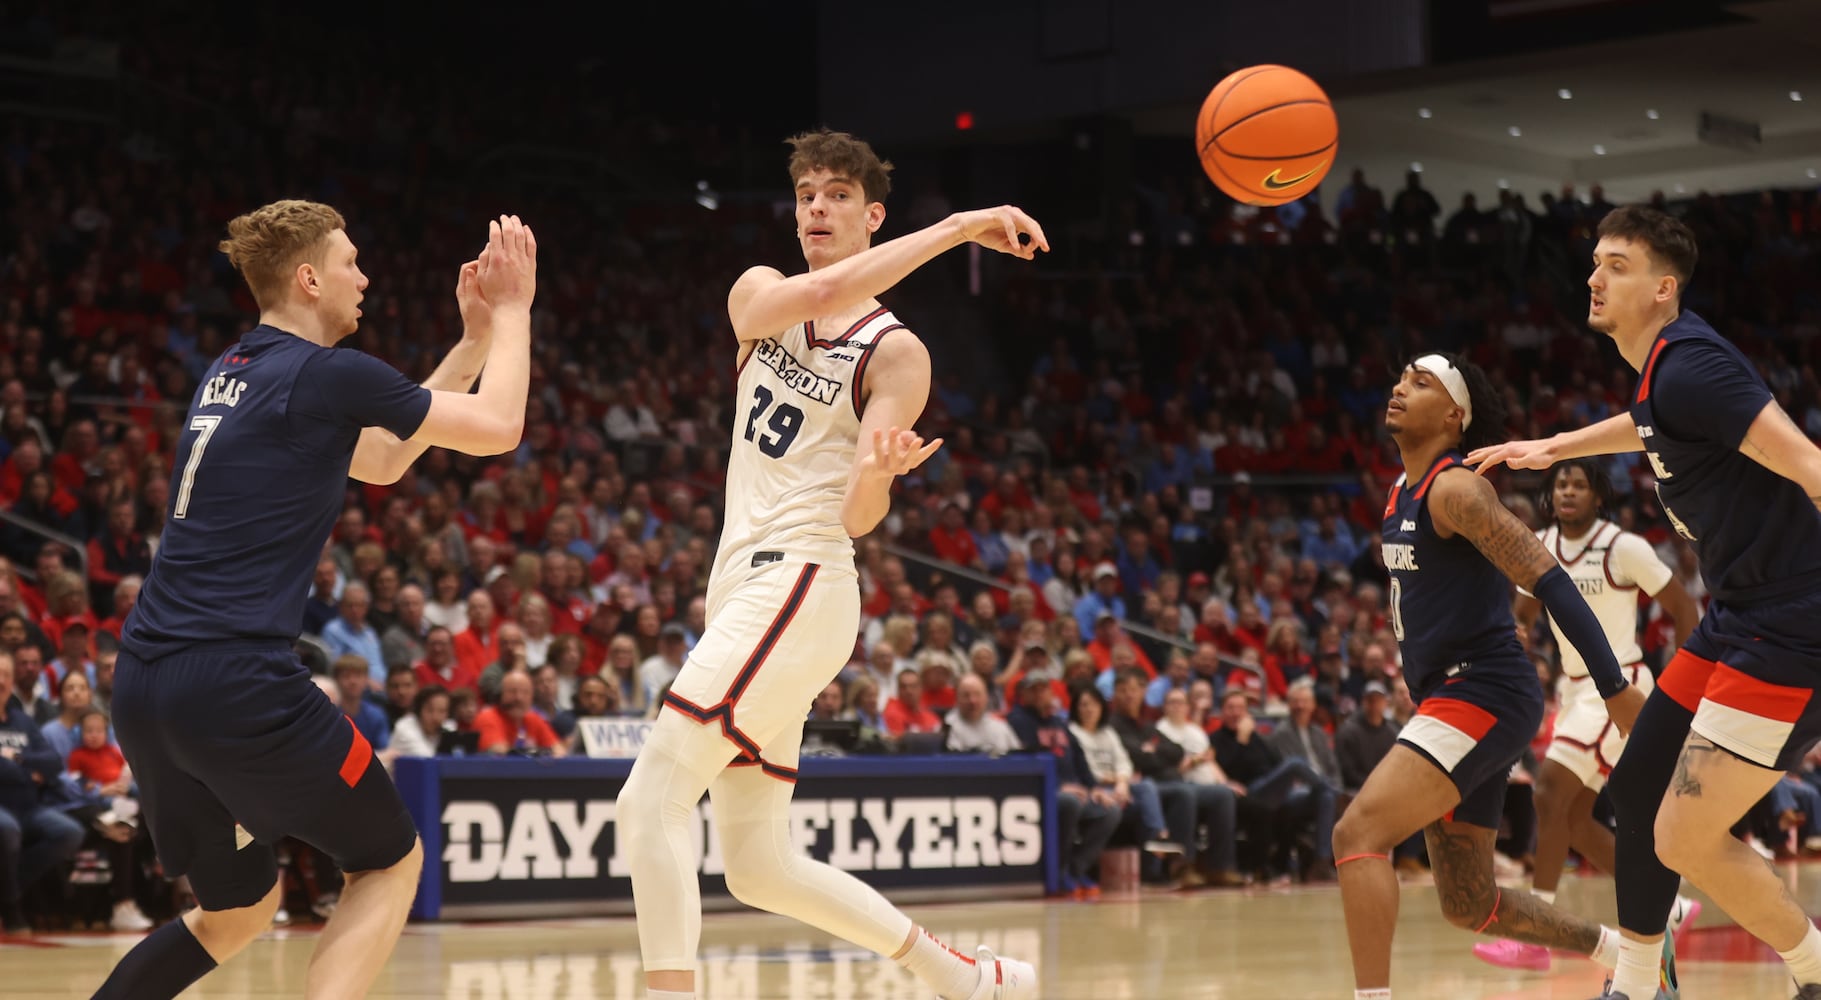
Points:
(1273, 181)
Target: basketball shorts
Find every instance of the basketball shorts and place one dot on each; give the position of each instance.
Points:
(1585, 741)
(1475, 726)
(1749, 675)
(234, 748)
(775, 638)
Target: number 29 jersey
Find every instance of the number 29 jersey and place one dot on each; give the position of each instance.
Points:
(796, 424)
(1449, 605)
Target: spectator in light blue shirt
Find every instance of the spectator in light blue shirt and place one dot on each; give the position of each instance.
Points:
(1104, 597)
(350, 675)
(1331, 544)
(349, 633)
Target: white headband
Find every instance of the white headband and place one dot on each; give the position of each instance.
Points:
(1452, 380)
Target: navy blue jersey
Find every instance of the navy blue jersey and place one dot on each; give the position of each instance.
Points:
(1757, 533)
(260, 477)
(1449, 605)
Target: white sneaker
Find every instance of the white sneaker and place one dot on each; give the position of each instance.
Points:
(1003, 978)
(128, 917)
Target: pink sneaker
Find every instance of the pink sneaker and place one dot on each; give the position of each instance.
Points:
(1513, 955)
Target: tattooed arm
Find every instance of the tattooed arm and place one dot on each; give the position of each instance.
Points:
(1466, 505)
(1775, 443)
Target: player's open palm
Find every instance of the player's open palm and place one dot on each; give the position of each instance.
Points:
(508, 268)
(896, 452)
(477, 313)
(1516, 454)
(1001, 228)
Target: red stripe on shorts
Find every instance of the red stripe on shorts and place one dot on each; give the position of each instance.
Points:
(1685, 679)
(1752, 696)
(360, 754)
(1464, 716)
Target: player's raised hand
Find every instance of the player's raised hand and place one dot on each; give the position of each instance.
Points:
(508, 268)
(477, 313)
(1005, 229)
(896, 452)
(1516, 454)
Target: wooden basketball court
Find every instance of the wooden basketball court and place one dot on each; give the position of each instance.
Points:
(1227, 945)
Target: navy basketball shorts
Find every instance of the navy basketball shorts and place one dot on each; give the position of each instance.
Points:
(1475, 726)
(1749, 676)
(234, 748)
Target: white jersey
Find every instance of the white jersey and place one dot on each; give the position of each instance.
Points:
(1608, 566)
(796, 425)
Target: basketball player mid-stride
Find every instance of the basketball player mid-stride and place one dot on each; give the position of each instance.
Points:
(232, 744)
(1609, 565)
(823, 370)
(1735, 709)
(1453, 552)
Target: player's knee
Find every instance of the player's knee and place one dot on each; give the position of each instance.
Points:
(1682, 843)
(1355, 833)
(1469, 907)
(757, 878)
(222, 933)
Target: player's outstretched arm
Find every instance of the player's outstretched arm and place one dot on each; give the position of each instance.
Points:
(491, 420)
(1468, 506)
(1613, 436)
(896, 389)
(764, 303)
(381, 457)
(1775, 442)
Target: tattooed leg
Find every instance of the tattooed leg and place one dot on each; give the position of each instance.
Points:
(1461, 855)
(1712, 789)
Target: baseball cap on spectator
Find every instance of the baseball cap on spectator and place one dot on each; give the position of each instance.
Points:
(1105, 569)
(1199, 579)
(1105, 615)
(1242, 476)
(673, 631)
(1375, 687)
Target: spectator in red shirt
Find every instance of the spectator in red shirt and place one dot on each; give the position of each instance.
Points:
(951, 540)
(97, 762)
(1108, 636)
(906, 713)
(126, 594)
(440, 667)
(478, 646)
(512, 725)
(119, 551)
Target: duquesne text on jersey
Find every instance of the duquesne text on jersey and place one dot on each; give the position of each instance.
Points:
(807, 383)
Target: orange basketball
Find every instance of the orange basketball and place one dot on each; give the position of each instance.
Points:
(1267, 135)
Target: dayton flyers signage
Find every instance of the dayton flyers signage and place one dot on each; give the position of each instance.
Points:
(513, 833)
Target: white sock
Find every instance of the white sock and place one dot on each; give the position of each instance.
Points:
(668, 995)
(943, 969)
(1640, 968)
(1546, 895)
(1804, 960)
(1384, 994)
(1607, 951)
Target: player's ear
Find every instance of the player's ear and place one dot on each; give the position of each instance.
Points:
(307, 279)
(1668, 287)
(875, 216)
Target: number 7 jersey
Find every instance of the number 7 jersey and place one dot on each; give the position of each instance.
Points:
(796, 426)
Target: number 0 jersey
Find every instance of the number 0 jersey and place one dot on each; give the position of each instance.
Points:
(261, 474)
(796, 425)
(1449, 605)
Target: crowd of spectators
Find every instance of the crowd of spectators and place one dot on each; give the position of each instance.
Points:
(1147, 549)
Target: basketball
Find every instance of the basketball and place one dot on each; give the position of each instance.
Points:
(1266, 135)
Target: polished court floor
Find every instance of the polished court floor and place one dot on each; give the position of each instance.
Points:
(1254, 944)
